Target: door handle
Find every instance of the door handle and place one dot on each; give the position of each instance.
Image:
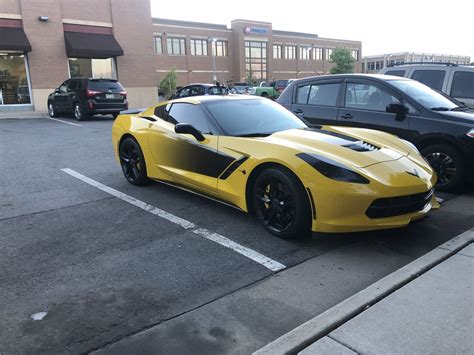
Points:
(347, 116)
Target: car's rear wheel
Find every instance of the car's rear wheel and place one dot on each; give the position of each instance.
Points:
(51, 110)
(133, 162)
(281, 203)
(448, 164)
(264, 94)
(78, 113)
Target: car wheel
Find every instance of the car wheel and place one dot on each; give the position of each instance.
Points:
(264, 94)
(78, 114)
(448, 164)
(115, 115)
(51, 111)
(281, 203)
(133, 162)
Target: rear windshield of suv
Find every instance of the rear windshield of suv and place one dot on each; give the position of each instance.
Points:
(104, 85)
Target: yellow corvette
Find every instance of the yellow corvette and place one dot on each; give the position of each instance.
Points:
(253, 154)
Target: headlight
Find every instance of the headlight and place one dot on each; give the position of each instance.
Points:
(470, 133)
(412, 146)
(332, 169)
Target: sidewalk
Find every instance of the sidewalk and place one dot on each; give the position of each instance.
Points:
(23, 114)
(432, 313)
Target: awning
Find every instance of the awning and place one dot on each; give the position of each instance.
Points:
(91, 45)
(14, 39)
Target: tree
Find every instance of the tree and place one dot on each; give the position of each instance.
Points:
(168, 84)
(249, 78)
(344, 61)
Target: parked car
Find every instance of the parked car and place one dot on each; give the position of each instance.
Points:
(199, 89)
(252, 154)
(441, 129)
(85, 97)
(454, 80)
(263, 91)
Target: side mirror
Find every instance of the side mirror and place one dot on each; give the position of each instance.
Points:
(400, 111)
(186, 128)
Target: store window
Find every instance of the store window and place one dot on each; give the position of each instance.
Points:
(14, 88)
(290, 52)
(158, 45)
(92, 68)
(318, 54)
(176, 46)
(220, 49)
(256, 60)
(305, 53)
(277, 51)
(198, 47)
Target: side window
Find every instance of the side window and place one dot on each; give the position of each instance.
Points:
(463, 85)
(195, 91)
(368, 97)
(189, 113)
(72, 85)
(395, 73)
(432, 78)
(184, 92)
(162, 111)
(63, 87)
(323, 94)
(302, 94)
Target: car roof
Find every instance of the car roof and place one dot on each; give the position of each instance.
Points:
(202, 84)
(382, 77)
(214, 98)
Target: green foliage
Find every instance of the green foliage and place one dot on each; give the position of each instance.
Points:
(344, 61)
(168, 84)
(249, 77)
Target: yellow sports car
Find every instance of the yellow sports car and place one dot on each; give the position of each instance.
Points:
(253, 154)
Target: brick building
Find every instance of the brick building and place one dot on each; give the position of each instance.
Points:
(45, 42)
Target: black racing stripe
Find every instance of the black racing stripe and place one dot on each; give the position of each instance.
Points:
(233, 167)
(334, 134)
(200, 159)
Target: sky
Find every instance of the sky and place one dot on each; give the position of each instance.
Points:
(441, 27)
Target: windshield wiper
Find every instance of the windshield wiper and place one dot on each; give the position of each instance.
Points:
(256, 134)
(460, 108)
(439, 109)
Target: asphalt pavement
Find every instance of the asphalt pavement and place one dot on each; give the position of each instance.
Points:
(85, 268)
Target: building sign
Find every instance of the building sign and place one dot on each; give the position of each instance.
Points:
(256, 30)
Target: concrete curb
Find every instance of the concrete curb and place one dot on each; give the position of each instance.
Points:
(22, 115)
(321, 325)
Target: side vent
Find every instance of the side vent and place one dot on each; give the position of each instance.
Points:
(361, 146)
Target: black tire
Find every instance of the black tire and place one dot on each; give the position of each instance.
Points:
(281, 203)
(448, 163)
(51, 110)
(115, 115)
(78, 112)
(265, 94)
(132, 162)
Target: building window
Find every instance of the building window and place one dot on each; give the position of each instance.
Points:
(378, 64)
(328, 53)
(318, 54)
(277, 51)
(305, 53)
(371, 66)
(220, 49)
(14, 88)
(290, 52)
(158, 45)
(199, 47)
(355, 54)
(256, 60)
(92, 68)
(176, 46)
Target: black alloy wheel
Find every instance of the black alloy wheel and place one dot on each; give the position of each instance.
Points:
(133, 162)
(281, 203)
(447, 162)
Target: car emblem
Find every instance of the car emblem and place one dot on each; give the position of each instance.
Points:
(413, 173)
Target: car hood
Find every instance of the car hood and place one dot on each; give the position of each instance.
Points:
(459, 116)
(354, 147)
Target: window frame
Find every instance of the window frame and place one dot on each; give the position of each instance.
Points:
(316, 83)
(452, 83)
(293, 51)
(389, 90)
(156, 37)
(181, 43)
(211, 126)
(195, 43)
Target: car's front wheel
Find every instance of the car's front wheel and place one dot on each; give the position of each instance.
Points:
(51, 110)
(133, 162)
(448, 164)
(281, 203)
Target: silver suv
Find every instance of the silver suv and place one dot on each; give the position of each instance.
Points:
(454, 80)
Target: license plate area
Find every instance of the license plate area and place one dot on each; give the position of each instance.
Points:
(110, 96)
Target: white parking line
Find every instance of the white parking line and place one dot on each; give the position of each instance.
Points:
(72, 124)
(217, 238)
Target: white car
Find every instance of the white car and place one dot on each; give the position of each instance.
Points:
(454, 80)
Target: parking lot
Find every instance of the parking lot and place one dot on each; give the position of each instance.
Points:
(105, 260)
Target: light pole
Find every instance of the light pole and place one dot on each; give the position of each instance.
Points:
(212, 41)
(308, 53)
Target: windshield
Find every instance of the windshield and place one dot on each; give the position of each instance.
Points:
(252, 117)
(424, 95)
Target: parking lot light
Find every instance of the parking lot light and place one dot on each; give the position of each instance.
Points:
(213, 40)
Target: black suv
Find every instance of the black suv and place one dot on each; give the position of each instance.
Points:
(86, 97)
(439, 127)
